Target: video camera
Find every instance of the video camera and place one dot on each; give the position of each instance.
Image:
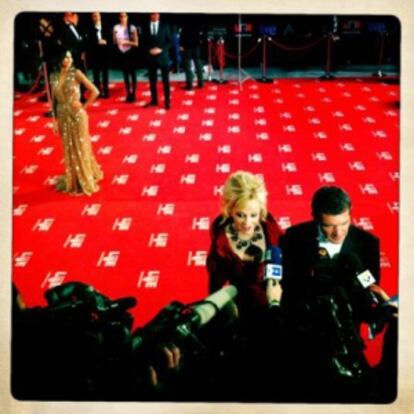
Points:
(74, 347)
(340, 298)
(83, 345)
(178, 324)
(329, 320)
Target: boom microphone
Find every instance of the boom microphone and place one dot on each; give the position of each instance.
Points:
(212, 304)
(177, 321)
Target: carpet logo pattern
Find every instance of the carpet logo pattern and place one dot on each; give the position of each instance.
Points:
(145, 233)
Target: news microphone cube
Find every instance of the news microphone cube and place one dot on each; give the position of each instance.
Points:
(366, 279)
(273, 271)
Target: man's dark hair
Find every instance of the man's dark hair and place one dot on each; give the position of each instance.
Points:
(329, 200)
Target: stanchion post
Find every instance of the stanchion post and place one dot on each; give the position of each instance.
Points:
(220, 54)
(264, 77)
(379, 73)
(210, 60)
(221, 58)
(48, 114)
(328, 74)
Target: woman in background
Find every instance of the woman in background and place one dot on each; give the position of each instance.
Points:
(82, 172)
(125, 37)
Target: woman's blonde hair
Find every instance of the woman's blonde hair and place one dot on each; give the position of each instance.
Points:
(240, 187)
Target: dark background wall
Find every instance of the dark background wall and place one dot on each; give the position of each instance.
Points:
(358, 37)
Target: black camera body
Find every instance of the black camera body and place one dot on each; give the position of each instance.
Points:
(331, 325)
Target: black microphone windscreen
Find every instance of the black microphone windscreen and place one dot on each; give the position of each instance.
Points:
(350, 262)
(352, 269)
(276, 255)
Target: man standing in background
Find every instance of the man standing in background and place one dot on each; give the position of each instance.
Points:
(158, 42)
(98, 53)
(191, 40)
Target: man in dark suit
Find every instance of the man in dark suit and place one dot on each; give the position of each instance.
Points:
(190, 41)
(330, 234)
(325, 303)
(98, 39)
(72, 39)
(158, 42)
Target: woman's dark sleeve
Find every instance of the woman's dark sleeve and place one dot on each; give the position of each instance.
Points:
(216, 268)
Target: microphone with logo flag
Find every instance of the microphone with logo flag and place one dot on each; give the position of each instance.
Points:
(357, 278)
(273, 267)
(362, 285)
(273, 272)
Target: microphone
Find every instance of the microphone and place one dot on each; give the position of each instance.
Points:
(208, 308)
(352, 266)
(273, 273)
(366, 279)
(177, 321)
(273, 267)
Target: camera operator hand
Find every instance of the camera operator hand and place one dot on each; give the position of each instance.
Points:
(384, 298)
(171, 356)
(273, 292)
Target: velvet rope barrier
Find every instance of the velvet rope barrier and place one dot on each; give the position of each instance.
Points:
(296, 49)
(221, 53)
(219, 56)
(35, 83)
(218, 53)
(248, 53)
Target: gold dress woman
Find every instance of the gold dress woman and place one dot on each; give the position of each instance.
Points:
(82, 172)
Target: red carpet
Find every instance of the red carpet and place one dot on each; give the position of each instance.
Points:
(146, 233)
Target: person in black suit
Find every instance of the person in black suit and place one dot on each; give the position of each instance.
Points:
(70, 38)
(330, 233)
(191, 40)
(98, 53)
(324, 303)
(158, 42)
(48, 39)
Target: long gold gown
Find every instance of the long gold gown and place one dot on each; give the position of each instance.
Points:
(82, 172)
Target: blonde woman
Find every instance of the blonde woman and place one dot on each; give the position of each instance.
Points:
(240, 237)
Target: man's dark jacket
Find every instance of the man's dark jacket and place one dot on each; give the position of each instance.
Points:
(300, 252)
